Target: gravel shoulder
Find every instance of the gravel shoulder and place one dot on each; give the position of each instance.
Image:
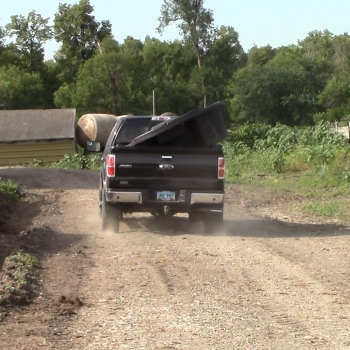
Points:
(261, 283)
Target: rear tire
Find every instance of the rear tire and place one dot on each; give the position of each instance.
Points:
(111, 216)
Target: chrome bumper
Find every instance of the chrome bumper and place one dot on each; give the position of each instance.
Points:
(136, 197)
(207, 198)
(124, 197)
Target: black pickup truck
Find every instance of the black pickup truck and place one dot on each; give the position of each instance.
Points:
(164, 166)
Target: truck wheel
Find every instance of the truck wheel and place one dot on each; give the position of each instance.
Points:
(110, 216)
(213, 222)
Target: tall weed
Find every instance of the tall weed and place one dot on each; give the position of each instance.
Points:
(254, 148)
(10, 189)
(73, 161)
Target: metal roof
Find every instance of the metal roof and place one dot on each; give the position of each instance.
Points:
(37, 124)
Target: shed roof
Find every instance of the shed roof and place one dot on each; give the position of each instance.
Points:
(37, 124)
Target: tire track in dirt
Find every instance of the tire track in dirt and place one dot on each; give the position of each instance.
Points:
(287, 295)
(317, 263)
(157, 286)
(190, 315)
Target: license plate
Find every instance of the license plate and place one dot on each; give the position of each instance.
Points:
(166, 196)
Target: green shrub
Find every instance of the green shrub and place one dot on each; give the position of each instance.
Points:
(10, 189)
(320, 154)
(254, 148)
(37, 163)
(275, 161)
(78, 161)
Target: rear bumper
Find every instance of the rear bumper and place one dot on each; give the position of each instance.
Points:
(184, 198)
(207, 198)
(123, 197)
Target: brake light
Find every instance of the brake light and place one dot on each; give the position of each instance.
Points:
(110, 165)
(221, 168)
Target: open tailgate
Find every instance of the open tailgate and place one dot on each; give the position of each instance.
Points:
(203, 128)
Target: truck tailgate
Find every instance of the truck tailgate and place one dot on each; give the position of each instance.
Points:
(171, 168)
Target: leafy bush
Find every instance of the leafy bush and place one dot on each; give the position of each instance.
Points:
(247, 134)
(10, 189)
(255, 148)
(320, 154)
(73, 161)
(322, 134)
(280, 137)
(37, 163)
(77, 161)
(274, 160)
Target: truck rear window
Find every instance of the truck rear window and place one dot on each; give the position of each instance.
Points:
(134, 128)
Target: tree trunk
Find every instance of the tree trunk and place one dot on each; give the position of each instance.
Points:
(199, 60)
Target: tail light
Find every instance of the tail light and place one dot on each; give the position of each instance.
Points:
(221, 168)
(110, 165)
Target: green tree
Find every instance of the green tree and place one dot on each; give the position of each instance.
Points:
(79, 33)
(261, 55)
(31, 33)
(224, 57)
(196, 25)
(20, 89)
(169, 67)
(51, 82)
(195, 22)
(2, 38)
(137, 92)
(64, 97)
(100, 84)
(335, 97)
(318, 44)
(283, 90)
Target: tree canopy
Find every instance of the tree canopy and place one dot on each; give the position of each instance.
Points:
(294, 85)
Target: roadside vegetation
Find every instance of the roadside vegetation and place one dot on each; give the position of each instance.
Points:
(17, 283)
(18, 269)
(72, 161)
(10, 190)
(312, 163)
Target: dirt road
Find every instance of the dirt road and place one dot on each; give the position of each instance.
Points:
(261, 284)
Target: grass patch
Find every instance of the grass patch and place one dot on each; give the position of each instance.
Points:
(333, 209)
(10, 189)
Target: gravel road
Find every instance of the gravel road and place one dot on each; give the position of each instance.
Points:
(259, 284)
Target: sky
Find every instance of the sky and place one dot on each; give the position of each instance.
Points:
(258, 22)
